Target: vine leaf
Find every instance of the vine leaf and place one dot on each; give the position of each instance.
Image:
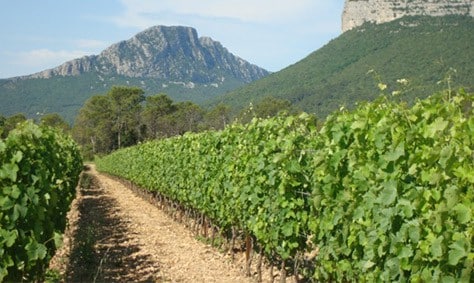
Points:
(437, 126)
(35, 250)
(456, 252)
(9, 171)
(389, 192)
(394, 155)
(463, 213)
(436, 247)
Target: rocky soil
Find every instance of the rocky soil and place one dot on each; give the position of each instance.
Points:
(116, 236)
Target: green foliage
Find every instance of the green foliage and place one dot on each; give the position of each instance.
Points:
(119, 119)
(154, 114)
(267, 107)
(382, 193)
(10, 123)
(56, 121)
(419, 49)
(2, 124)
(247, 176)
(39, 171)
(392, 199)
(218, 117)
(110, 121)
(65, 95)
(93, 127)
(125, 106)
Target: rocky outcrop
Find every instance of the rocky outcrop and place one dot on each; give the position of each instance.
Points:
(161, 52)
(357, 12)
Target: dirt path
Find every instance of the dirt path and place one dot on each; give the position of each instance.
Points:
(116, 236)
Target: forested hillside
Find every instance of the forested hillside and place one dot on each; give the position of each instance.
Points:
(430, 53)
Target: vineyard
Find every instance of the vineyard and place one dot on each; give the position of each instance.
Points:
(39, 172)
(381, 193)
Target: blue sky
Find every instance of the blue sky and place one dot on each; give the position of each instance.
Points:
(37, 35)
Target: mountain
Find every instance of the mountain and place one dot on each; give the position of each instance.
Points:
(172, 60)
(357, 12)
(431, 53)
(169, 53)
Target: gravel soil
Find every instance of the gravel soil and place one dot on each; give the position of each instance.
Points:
(116, 236)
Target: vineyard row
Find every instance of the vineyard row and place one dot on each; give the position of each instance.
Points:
(381, 193)
(39, 171)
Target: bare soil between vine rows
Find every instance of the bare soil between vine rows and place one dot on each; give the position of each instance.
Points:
(116, 236)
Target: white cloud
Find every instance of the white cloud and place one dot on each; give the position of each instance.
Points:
(36, 60)
(145, 13)
(40, 59)
(24, 62)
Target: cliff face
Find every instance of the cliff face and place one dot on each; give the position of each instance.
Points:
(356, 12)
(170, 53)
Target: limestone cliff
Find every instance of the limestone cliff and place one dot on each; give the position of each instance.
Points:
(356, 12)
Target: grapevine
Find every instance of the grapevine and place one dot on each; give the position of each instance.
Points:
(381, 193)
(38, 174)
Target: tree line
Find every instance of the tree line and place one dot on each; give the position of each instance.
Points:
(125, 116)
(7, 124)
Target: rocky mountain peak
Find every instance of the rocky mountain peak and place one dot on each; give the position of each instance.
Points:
(357, 12)
(174, 53)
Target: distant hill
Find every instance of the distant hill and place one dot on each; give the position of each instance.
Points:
(172, 60)
(423, 50)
